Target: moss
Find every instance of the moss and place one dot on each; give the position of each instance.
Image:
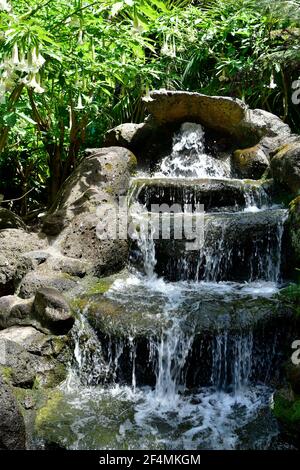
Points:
(286, 410)
(54, 376)
(108, 166)
(45, 413)
(6, 373)
(132, 163)
(291, 294)
(100, 287)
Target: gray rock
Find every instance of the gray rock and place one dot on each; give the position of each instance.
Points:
(36, 280)
(285, 166)
(10, 220)
(216, 112)
(12, 427)
(13, 262)
(147, 140)
(96, 184)
(52, 310)
(15, 311)
(250, 163)
(18, 362)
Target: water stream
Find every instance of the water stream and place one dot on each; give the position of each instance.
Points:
(193, 359)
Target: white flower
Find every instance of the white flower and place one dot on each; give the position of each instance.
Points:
(272, 83)
(23, 64)
(40, 60)
(15, 55)
(35, 84)
(79, 104)
(4, 5)
(32, 58)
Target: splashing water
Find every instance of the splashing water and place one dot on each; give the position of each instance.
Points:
(188, 157)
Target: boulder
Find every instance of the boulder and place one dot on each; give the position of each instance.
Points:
(15, 311)
(96, 184)
(217, 112)
(250, 163)
(30, 357)
(224, 119)
(36, 280)
(52, 311)
(10, 220)
(14, 264)
(285, 166)
(223, 114)
(12, 427)
(18, 364)
(147, 140)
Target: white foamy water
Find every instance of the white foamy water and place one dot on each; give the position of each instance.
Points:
(189, 159)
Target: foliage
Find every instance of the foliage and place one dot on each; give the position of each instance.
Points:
(72, 69)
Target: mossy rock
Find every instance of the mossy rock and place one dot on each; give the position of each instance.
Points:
(251, 162)
(287, 411)
(89, 421)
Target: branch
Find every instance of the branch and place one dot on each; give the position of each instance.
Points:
(18, 198)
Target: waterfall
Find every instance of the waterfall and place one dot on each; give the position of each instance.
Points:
(186, 356)
(143, 233)
(188, 157)
(232, 361)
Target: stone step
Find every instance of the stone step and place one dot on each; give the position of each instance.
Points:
(214, 194)
(238, 246)
(135, 315)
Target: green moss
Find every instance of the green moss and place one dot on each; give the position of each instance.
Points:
(287, 411)
(132, 163)
(291, 294)
(6, 373)
(100, 287)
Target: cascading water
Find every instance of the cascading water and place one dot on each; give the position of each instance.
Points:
(193, 363)
(188, 157)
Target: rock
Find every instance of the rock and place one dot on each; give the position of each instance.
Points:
(82, 204)
(216, 112)
(47, 354)
(10, 220)
(285, 166)
(18, 364)
(223, 114)
(14, 264)
(125, 135)
(250, 163)
(36, 280)
(52, 310)
(12, 427)
(264, 128)
(215, 194)
(15, 311)
(224, 119)
(287, 410)
(148, 140)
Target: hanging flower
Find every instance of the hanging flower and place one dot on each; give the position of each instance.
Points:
(4, 5)
(35, 84)
(80, 37)
(272, 83)
(23, 64)
(79, 104)
(15, 55)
